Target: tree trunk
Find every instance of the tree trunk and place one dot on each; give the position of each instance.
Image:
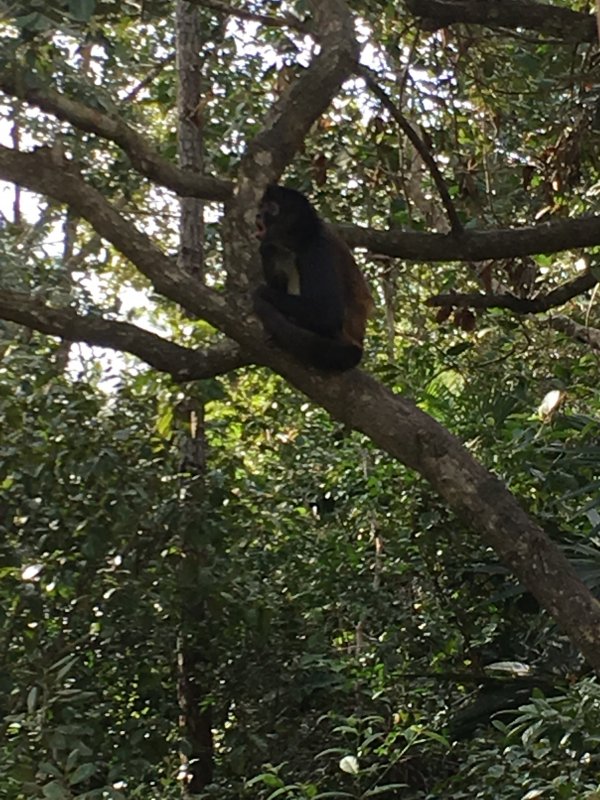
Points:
(194, 675)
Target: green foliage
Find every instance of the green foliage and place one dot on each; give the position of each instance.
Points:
(548, 750)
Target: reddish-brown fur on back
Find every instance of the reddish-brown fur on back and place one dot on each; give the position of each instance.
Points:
(357, 296)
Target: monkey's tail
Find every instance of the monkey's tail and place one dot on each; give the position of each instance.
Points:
(308, 347)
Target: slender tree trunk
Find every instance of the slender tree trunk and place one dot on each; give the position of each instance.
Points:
(69, 236)
(194, 673)
(15, 135)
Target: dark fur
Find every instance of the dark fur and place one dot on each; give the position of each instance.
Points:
(324, 324)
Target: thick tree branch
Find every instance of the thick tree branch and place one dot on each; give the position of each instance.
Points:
(469, 246)
(419, 145)
(520, 305)
(555, 21)
(66, 186)
(548, 237)
(417, 440)
(143, 157)
(292, 115)
(39, 172)
(183, 363)
(581, 333)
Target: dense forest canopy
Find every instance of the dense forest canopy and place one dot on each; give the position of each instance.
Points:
(224, 573)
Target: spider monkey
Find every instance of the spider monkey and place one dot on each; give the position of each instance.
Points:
(316, 301)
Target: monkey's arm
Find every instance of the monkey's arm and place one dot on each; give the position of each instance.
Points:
(319, 307)
(275, 267)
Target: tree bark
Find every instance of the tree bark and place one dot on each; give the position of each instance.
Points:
(544, 18)
(193, 660)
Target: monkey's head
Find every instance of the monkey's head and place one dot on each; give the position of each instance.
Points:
(286, 218)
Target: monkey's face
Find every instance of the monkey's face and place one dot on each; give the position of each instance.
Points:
(275, 226)
(286, 219)
(267, 221)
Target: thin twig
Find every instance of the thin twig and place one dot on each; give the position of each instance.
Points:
(286, 20)
(153, 73)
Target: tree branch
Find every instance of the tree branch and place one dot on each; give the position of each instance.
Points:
(549, 20)
(143, 157)
(520, 305)
(286, 20)
(293, 114)
(469, 246)
(419, 145)
(286, 124)
(183, 363)
(149, 78)
(581, 333)
(548, 237)
(40, 172)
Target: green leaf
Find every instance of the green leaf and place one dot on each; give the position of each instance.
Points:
(82, 10)
(282, 791)
(82, 773)
(46, 768)
(32, 697)
(32, 22)
(267, 778)
(66, 667)
(55, 791)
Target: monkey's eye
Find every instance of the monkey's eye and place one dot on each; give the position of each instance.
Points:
(271, 208)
